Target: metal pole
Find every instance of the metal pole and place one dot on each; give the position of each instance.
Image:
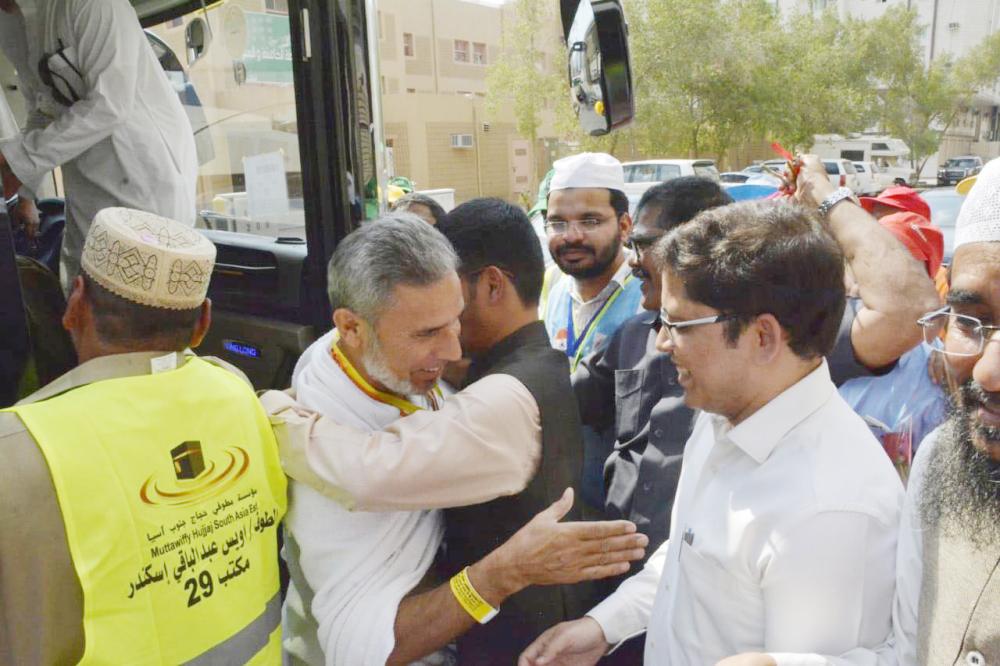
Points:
(475, 140)
(375, 89)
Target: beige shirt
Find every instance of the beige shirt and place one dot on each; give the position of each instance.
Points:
(41, 602)
(483, 443)
(584, 311)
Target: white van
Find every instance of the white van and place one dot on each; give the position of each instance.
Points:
(891, 155)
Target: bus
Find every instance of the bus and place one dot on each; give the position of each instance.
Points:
(293, 88)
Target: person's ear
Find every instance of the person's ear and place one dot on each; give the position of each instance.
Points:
(493, 284)
(768, 338)
(624, 226)
(76, 306)
(350, 326)
(202, 325)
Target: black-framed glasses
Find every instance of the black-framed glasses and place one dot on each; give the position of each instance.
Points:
(674, 326)
(641, 244)
(62, 89)
(966, 335)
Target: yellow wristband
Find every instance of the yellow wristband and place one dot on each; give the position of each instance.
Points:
(469, 599)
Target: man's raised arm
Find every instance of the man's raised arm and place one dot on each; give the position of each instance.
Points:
(893, 286)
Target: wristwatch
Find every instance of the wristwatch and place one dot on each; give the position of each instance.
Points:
(835, 198)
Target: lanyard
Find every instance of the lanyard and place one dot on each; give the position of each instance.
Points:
(404, 406)
(576, 345)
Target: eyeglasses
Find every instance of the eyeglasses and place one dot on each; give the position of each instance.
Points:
(585, 226)
(966, 336)
(640, 244)
(674, 326)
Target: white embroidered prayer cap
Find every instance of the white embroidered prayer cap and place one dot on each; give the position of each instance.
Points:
(979, 219)
(588, 170)
(148, 259)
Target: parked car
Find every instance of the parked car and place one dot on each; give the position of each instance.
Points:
(640, 176)
(734, 176)
(872, 178)
(842, 174)
(958, 168)
(945, 203)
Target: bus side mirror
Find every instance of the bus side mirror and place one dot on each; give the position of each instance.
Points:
(600, 76)
(197, 37)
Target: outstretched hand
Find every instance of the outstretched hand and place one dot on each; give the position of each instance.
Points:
(548, 552)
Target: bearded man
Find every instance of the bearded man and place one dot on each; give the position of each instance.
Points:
(947, 608)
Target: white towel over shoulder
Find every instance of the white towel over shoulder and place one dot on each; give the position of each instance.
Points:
(353, 568)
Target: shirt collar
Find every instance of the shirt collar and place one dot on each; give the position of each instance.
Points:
(102, 368)
(761, 432)
(617, 280)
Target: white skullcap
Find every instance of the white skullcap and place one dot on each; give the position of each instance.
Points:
(979, 219)
(148, 259)
(589, 170)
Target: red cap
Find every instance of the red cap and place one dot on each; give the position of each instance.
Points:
(921, 238)
(901, 198)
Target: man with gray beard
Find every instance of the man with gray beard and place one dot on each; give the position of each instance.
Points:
(947, 608)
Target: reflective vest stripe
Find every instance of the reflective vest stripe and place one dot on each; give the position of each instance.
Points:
(248, 642)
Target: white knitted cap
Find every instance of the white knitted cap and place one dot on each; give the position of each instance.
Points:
(588, 170)
(148, 259)
(979, 219)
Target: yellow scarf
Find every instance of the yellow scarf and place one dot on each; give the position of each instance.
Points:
(404, 406)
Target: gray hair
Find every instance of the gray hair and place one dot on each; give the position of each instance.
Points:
(399, 248)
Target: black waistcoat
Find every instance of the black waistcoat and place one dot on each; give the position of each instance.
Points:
(474, 531)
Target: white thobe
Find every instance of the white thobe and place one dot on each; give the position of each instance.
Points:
(782, 540)
(349, 570)
(126, 142)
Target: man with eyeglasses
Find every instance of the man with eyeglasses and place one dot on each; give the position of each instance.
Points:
(784, 525)
(587, 222)
(947, 608)
(103, 110)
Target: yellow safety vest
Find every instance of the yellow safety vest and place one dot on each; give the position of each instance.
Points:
(171, 492)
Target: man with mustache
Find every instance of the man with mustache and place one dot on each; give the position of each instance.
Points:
(590, 291)
(587, 223)
(947, 608)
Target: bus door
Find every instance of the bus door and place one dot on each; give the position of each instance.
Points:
(271, 88)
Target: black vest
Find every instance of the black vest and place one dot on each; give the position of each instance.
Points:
(472, 532)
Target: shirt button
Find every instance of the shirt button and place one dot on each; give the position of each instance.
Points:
(975, 659)
(658, 432)
(646, 486)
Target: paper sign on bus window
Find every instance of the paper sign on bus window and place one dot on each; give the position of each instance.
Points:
(267, 188)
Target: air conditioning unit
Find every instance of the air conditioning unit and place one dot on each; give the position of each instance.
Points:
(953, 26)
(461, 141)
(486, 127)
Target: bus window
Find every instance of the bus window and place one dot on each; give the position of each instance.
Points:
(241, 99)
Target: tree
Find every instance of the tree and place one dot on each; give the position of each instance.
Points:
(920, 103)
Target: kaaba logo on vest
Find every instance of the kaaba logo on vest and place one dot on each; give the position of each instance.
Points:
(194, 477)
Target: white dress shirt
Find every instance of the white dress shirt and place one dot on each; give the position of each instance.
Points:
(782, 540)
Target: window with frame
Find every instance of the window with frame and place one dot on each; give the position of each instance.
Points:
(461, 50)
(276, 6)
(408, 50)
(478, 53)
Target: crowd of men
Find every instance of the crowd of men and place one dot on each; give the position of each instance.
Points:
(752, 433)
(640, 454)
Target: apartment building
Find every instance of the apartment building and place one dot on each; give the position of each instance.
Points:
(434, 56)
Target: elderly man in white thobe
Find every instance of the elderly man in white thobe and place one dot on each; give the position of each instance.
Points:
(397, 299)
(100, 107)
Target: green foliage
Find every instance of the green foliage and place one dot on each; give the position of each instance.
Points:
(713, 74)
